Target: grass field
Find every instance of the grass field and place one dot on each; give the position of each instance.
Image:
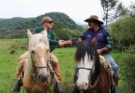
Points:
(11, 49)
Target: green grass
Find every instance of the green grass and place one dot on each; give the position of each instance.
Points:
(8, 62)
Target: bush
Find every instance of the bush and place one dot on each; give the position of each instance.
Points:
(128, 72)
(123, 33)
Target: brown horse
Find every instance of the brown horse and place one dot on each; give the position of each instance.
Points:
(36, 72)
(92, 77)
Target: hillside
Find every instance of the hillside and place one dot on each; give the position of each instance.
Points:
(16, 27)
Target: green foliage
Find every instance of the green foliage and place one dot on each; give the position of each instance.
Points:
(16, 27)
(59, 18)
(123, 33)
(127, 72)
(64, 33)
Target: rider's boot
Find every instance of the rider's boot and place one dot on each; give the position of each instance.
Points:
(17, 86)
(18, 83)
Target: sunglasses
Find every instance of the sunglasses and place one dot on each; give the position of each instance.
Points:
(50, 22)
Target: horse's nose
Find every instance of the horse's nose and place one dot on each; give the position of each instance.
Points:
(43, 78)
(83, 85)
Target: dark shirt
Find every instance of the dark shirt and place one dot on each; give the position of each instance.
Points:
(103, 38)
(51, 36)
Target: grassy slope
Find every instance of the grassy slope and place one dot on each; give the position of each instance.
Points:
(8, 63)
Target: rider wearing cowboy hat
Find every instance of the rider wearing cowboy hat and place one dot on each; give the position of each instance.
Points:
(98, 37)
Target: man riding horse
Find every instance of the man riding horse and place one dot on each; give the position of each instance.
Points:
(100, 38)
(47, 25)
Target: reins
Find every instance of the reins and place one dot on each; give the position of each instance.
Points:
(34, 68)
(90, 80)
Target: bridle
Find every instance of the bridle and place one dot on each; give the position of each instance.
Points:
(78, 68)
(39, 67)
(90, 75)
(35, 68)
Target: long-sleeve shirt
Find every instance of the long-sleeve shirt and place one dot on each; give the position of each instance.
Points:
(51, 36)
(103, 38)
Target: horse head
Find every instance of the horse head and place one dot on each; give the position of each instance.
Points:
(87, 63)
(39, 55)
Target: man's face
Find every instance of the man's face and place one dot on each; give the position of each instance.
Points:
(92, 24)
(48, 24)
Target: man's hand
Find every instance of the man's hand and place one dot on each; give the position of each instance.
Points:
(102, 50)
(67, 42)
(61, 43)
(93, 42)
(79, 40)
(99, 51)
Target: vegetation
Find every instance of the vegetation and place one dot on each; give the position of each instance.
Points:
(123, 33)
(8, 63)
(128, 72)
(16, 27)
(112, 9)
(122, 30)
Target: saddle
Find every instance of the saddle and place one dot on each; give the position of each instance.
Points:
(106, 64)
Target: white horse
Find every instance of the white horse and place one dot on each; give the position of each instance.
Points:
(36, 72)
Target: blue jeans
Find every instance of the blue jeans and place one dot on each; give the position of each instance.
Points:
(115, 66)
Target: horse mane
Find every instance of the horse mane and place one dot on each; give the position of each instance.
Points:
(86, 47)
(36, 38)
(82, 49)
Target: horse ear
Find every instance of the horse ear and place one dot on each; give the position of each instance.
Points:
(29, 33)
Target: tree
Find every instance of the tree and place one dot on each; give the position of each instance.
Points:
(120, 11)
(123, 33)
(108, 6)
(132, 9)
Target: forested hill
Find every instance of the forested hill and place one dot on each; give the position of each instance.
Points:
(16, 27)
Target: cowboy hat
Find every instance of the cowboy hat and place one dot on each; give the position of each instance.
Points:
(95, 19)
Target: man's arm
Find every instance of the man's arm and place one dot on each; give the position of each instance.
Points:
(75, 40)
(55, 42)
(68, 42)
(109, 42)
(108, 46)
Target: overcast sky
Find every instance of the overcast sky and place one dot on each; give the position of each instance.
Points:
(78, 10)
